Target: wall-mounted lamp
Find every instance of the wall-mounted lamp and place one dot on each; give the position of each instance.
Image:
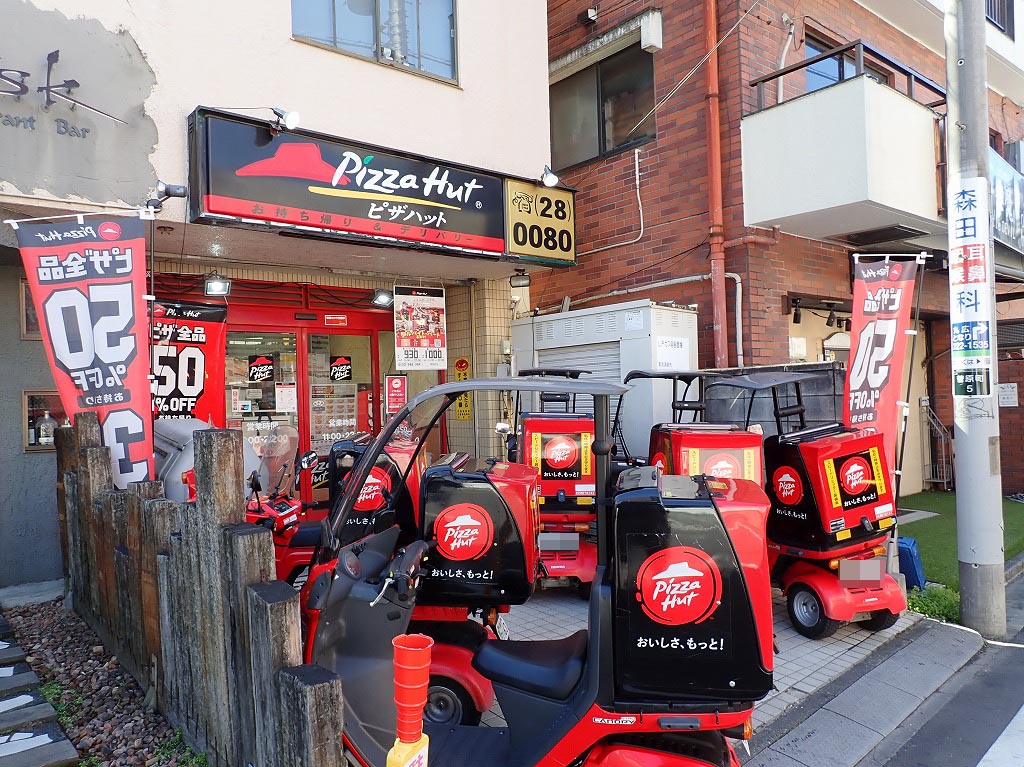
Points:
(520, 279)
(163, 191)
(849, 324)
(832, 319)
(548, 177)
(215, 285)
(382, 298)
(797, 316)
(286, 120)
(588, 16)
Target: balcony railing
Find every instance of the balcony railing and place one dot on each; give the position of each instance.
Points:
(1000, 13)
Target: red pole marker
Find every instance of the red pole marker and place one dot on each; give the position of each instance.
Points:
(412, 674)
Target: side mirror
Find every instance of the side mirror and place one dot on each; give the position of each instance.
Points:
(308, 460)
(254, 482)
(502, 428)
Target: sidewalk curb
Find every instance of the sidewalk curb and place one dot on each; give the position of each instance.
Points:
(841, 723)
(1014, 568)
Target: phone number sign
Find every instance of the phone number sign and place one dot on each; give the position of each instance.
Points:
(88, 281)
(540, 222)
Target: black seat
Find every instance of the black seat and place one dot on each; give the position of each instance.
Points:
(306, 537)
(550, 668)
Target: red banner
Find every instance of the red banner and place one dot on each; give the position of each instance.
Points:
(88, 284)
(189, 342)
(882, 295)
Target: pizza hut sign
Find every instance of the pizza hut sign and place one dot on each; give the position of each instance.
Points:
(788, 487)
(464, 532)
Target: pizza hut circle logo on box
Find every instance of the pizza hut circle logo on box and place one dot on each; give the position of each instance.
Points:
(463, 531)
(722, 465)
(659, 460)
(679, 585)
(561, 452)
(109, 230)
(788, 487)
(371, 495)
(855, 475)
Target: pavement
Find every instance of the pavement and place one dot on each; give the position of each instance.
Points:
(31, 593)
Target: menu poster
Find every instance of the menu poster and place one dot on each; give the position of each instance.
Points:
(421, 340)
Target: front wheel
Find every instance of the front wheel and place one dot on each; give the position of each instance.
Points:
(448, 703)
(807, 614)
(879, 620)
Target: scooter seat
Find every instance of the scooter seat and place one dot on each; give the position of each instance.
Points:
(306, 537)
(550, 668)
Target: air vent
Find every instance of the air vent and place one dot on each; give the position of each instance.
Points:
(878, 236)
(1011, 335)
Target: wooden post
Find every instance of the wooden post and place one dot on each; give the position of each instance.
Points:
(94, 482)
(67, 458)
(274, 643)
(138, 494)
(87, 430)
(310, 717)
(114, 525)
(250, 561)
(76, 573)
(158, 518)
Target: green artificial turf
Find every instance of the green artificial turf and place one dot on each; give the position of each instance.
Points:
(936, 536)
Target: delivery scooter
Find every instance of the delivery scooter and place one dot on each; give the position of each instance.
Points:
(679, 641)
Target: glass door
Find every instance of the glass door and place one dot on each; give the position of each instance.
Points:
(261, 386)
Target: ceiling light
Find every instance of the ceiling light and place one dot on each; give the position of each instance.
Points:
(548, 177)
(520, 279)
(286, 120)
(382, 298)
(215, 285)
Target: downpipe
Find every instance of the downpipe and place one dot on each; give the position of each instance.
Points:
(716, 236)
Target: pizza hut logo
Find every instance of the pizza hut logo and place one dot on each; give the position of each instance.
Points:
(109, 230)
(895, 270)
(371, 494)
(722, 465)
(561, 452)
(261, 368)
(464, 532)
(855, 474)
(788, 487)
(679, 585)
(659, 460)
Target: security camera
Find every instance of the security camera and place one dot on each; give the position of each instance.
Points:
(516, 299)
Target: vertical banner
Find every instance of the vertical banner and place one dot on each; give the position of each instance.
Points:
(970, 289)
(396, 394)
(883, 292)
(189, 345)
(421, 340)
(88, 284)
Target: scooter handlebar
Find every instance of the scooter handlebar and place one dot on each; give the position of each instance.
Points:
(406, 568)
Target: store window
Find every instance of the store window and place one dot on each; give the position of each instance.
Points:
(41, 413)
(827, 72)
(603, 108)
(415, 34)
(1000, 14)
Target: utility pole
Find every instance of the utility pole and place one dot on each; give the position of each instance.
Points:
(979, 514)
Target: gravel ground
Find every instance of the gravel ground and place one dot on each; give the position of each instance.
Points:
(98, 703)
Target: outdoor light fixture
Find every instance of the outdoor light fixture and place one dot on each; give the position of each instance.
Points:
(215, 285)
(832, 319)
(286, 120)
(849, 325)
(520, 279)
(548, 177)
(382, 298)
(797, 316)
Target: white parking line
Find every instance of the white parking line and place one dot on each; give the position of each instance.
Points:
(1009, 746)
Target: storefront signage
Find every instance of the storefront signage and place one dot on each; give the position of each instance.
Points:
(246, 172)
(463, 407)
(1007, 187)
(541, 222)
(189, 343)
(883, 292)
(341, 368)
(88, 279)
(396, 394)
(421, 340)
(971, 285)
(261, 367)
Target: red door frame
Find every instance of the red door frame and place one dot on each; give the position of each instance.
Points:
(304, 322)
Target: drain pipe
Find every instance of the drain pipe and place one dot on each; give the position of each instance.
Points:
(716, 235)
(739, 316)
(787, 21)
(753, 239)
(639, 210)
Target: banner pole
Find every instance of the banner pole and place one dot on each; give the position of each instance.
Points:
(919, 278)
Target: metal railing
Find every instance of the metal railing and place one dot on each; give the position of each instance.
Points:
(1000, 13)
(936, 450)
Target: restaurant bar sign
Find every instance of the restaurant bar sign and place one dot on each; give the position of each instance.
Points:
(245, 171)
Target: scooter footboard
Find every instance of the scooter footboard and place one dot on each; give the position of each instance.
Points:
(698, 749)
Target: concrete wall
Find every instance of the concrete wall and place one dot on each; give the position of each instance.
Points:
(29, 536)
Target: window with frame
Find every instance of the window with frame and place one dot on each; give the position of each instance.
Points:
(828, 72)
(1000, 14)
(416, 34)
(594, 111)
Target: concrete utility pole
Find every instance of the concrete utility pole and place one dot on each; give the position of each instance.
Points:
(979, 516)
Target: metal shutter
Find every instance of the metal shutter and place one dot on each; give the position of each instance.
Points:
(602, 360)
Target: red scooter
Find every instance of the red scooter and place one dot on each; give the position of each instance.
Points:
(679, 643)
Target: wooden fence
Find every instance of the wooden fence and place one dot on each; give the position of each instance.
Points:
(184, 595)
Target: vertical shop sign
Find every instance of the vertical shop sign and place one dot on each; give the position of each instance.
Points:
(970, 289)
(463, 406)
(421, 340)
(397, 393)
(189, 343)
(882, 294)
(88, 282)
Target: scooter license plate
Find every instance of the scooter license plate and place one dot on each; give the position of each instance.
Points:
(501, 628)
(558, 541)
(855, 573)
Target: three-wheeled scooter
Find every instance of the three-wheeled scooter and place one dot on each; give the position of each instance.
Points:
(678, 645)
(832, 507)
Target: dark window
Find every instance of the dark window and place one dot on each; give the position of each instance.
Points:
(1000, 13)
(418, 34)
(827, 72)
(595, 111)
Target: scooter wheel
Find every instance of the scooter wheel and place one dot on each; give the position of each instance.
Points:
(583, 590)
(448, 703)
(807, 614)
(879, 620)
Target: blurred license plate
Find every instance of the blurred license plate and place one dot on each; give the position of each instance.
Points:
(860, 572)
(501, 628)
(558, 541)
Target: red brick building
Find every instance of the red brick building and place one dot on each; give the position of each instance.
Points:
(840, 157)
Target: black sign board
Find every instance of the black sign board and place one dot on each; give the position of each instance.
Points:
(245, 172)
(341, 368)
(261, 367)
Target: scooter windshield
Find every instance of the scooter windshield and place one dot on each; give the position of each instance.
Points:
(278, 449)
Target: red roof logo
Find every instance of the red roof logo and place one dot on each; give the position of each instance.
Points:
(293, 160)
(109, 230)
